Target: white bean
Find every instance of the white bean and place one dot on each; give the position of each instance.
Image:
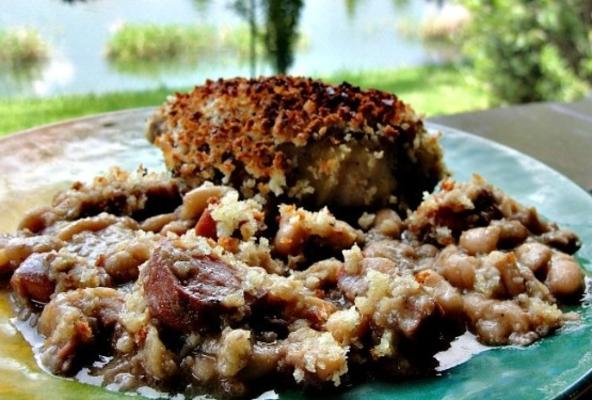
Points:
(480, 240)
(533, 255)
(565, 277)
(196, 200)
(459, 270)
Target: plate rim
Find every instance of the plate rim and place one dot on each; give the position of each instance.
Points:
(504, 147)
(66, 121)
(584, 382)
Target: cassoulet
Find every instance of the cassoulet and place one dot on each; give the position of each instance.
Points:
(291, 247)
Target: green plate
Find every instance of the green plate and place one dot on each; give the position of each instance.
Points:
(38, 162)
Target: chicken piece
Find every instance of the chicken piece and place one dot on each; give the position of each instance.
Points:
(300, 138)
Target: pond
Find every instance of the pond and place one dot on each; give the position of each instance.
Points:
(337, 35)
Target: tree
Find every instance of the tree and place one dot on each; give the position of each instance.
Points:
(279, 32)
(531, 50)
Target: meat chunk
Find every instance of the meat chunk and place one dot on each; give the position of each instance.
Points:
(139, 195)
(562, 239)
(106, 245)
(304, 139)
(186, 291)
(14, 250)
(31, 279)
(206, 226)
(76, 319)
(395, 303)
(476, 215)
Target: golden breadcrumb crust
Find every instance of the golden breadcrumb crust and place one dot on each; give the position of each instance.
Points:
(252, 132)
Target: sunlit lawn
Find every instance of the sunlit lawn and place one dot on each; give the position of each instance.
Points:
(431, 90)
(18, 114)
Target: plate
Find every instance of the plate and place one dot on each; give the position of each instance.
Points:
(37, 163)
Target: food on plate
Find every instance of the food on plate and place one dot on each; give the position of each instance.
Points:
(299, 139)
(193, 292)
(296, 244)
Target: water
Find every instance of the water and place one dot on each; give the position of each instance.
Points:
(335, 40)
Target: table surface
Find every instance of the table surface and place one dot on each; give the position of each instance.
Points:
(558, 134)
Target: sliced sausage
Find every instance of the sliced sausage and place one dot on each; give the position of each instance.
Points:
(190, 291)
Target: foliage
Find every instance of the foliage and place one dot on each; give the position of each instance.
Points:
(238, 41)
(22, 47)
(352, 6)
(447, 25)
(156, 43)
(149, 49)
(201, 5)
(531, 50)
(428, 89)
(279, 32)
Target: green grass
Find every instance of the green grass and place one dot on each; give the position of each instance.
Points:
(431, 90)
(18, 114)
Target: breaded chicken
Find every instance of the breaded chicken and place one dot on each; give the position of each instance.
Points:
(299, 139)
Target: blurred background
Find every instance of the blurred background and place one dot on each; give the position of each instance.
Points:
(66, 58)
